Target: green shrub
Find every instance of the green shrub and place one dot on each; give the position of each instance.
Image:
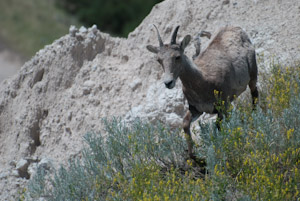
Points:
(117, 17)
(255, 156)
(27, 26)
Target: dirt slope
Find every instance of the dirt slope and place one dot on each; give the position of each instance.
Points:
(65, 89)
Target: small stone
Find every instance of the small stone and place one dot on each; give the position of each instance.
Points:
(125, 59)
(70, 115)
(68, 130)
(91, 35)
(94, 68)
(83, 29)
(22, 168)
(73, 30)
(94, 29)
(33, 159)
(259, 50)
(269, 42)
(13, 163)
(89, 84)
(86, 91)
(32, 168)
(226, 2)
(15, 173)
(13, 94)
(173, 120)
(79, 36)
(4, 175)
(45, 163)
(87, 87)
(22, 165)
(135, 84)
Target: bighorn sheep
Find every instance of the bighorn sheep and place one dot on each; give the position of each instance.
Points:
(227, 65)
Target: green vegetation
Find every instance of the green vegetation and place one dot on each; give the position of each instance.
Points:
(255, 156)
(28, 26)
(117, 17)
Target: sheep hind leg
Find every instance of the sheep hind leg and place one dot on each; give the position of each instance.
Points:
(254, 93)
(221, 109)
(252, 65)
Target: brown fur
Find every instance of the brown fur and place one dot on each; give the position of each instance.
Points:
(227, 65)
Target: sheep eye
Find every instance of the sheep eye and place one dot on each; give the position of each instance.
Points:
(177, 58)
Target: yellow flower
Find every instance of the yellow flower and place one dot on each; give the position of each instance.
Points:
(289, 133)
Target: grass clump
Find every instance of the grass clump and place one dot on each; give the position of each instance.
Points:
(254, 156)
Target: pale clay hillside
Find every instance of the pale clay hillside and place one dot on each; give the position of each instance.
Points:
(65, 90)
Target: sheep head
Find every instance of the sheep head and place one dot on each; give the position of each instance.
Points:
(170, 56)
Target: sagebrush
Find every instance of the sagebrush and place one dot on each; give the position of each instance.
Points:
(254, 156)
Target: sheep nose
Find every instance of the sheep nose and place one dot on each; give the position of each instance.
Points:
(169, 84)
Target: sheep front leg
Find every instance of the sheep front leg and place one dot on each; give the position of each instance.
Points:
(188, 136)
(191, 115)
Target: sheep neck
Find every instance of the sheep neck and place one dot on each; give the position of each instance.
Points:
(190, 75)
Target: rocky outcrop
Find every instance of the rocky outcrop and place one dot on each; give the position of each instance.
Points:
(65, 90)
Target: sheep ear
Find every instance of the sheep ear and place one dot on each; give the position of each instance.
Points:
(152, 49)
(184, 43)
